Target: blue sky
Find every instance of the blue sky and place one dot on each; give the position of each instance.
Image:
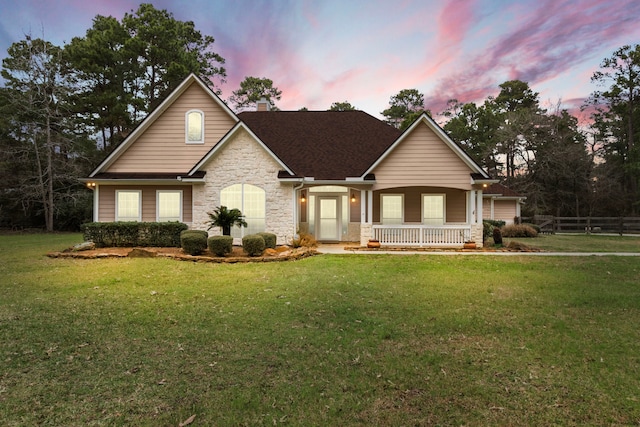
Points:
(365, 51)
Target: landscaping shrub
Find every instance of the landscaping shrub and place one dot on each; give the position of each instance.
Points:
(269, 239)
(253, 244)
(304, 240)
(130, 234)
(497, 236)
(518, 230)
(534, 226)
(220, 245)
(487, 227)
(193, 242)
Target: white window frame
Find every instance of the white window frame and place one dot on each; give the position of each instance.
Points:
(244, 230)
(444, 207)
(158, 192)
(139, 192)
(186, 127)
(382, 218)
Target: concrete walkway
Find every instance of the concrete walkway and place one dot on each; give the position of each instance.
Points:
(342, 249)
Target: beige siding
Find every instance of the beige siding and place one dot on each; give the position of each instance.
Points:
(422, 159)
(456, 203)
(163, 148)
(107, 201)
(486, 208)
(504, 210)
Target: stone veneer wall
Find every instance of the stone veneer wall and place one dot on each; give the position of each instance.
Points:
(476, 234)
(244, 161)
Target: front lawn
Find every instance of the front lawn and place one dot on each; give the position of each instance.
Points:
(581, 243)
(328, 340)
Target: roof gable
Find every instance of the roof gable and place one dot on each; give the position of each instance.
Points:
(424, 119)
(325, 145)
(240, 126)
(110, 164)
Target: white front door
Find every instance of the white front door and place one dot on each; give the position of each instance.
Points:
(328, 214)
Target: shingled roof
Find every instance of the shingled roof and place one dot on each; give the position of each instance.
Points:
(501, 190)
(325, 145)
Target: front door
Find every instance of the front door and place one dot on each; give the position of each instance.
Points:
(328, 214)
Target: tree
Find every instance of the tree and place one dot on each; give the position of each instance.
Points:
(558, 178)
(342, 106)
(35, 95)
(475, 128)
(104, 68)
(225, 219)
(404, 107)
(252, 90)
(166, 51)
(617, 119)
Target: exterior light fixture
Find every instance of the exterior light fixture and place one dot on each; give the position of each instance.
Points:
(353, 197)
(303, 196)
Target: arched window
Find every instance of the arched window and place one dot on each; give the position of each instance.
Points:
(194, 127)
(251, 201)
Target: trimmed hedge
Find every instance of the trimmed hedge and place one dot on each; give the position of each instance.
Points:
(518, 230)
(488, 225)
(220, 245)
(253, 244)
(130, 234)
(269, 239)
(194, 242)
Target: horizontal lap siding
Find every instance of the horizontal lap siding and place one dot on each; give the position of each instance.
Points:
(422, 159)
(456, 209)
(486, 208)
(504, 210)
(162, 147)
(107, 201)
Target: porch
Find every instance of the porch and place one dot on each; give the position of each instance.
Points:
(419, 235)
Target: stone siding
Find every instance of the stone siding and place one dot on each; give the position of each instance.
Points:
(244, 161)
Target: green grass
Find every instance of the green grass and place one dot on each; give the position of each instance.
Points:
(328, 340)
(582, 243)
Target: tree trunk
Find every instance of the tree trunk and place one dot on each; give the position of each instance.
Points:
(226, 230)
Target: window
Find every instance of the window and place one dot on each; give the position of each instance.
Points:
(433, 206)
(128, 205)
(195, 127)
(251, 202)
(168, 205)
(392, 209)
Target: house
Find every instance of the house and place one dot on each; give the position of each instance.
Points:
(341, 176)
(501, 203)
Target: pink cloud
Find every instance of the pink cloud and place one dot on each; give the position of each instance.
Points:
(454, 21)
(546, 42)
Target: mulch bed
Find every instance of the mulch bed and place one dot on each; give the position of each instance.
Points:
(281, 253)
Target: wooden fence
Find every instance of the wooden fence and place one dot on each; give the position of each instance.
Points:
(571, 224)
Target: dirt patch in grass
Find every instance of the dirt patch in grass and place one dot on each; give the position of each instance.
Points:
(281, 253)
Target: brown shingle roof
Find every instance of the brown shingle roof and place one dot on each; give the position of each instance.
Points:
(326, 145)
(500, 189)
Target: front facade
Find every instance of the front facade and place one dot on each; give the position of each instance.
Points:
(340, 176)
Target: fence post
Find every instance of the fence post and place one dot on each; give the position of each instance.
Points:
(588, 230)
(621, 225)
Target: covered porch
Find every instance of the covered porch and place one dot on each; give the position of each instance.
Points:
(417, 216)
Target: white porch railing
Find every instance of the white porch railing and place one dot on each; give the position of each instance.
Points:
(422, 235)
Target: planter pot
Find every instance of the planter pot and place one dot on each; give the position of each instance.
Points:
(470, 245)
(373, 244)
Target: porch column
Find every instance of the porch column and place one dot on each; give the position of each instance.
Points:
(479, 207)
(363, 206)
(370, 206)
(471, 198)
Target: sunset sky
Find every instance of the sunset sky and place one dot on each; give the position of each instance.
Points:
(320, 52)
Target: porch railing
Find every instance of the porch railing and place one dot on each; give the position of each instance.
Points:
(422, 235)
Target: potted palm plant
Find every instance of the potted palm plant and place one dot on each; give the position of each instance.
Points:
(225, 219)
